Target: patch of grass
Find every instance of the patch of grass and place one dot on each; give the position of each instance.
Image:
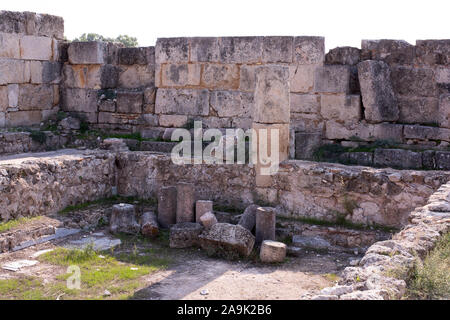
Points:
(38, 136)
(22, 289)
(7, 226)
(108, 201)
(431, 278)
(331, 277)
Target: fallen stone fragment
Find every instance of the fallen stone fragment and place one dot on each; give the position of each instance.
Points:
(272, 251)
(337, 290)
(227, 240)
(310, 242)
(248, 219)
(59, 233)
(325, 297)
(98, 244)
(184, 235)
(40, 253)
(208, 220)
(123, 219)
(15, 266)
(265, 224)
(149, 225)
(202, 207)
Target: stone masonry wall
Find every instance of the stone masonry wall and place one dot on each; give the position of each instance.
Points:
(29, 67)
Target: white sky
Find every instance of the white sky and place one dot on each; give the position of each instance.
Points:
(341, 22)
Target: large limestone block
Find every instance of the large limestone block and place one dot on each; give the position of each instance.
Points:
(272, 251)
(232, 103)
(432, 52)
(9, 46)
(240, 49)
(176, 121)
(265, 224)
(341, 107)
(390, 51)
(414, 81)
(377, 93)
(305, 103)
(36, 48)
(131, 56)
(13, 22)
(4, 101)
(397, 158)
(149, 225)
(182, 101)
(309, 50)
(180, 75)
(332, 79)
(302, 78)
(277, 49)
(184, 235)
(47, 26)
(202, 207)
(137, 76)
(13, 95)
(247, 77)
(185, 202)
(343, 55)
(123, 219)
(220, 76)
(306, 144)
(444, 111)
(204, 49)
(129, 101)
(14, 71)
(272, 103)
(35, 97)
(23, 118)
(167, 206)
(45, 72)
(172, 50)
(227, 240)
(83, 100)
(91, 52)
(419, 110)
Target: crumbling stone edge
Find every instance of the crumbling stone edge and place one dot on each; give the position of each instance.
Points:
(381, 273)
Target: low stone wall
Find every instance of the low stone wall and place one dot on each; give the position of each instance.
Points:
(41, 184)
(382, 272)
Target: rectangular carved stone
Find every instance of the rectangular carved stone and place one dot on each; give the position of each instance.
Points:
(240, 49)
(185, 202)
(426, 133)
(13, 22)
(176, 121)
(167, 206)
(247, 77)
(232, 103)
(343, 55)
(129, 101)
(332, 79)
(388, 132)
(302, 78)
(220, 76)
(306, 144)
(442, 160)
(45, 72)
(4, 102)
(180, 75)
(414, 81)
(49, 26)
(14, 71)
(418, 110)
(36, 48)
(397, 158)
(444, 111)
(92, 52)
(182, 101)
(272, 103)
(204, 49)
(202, 207)
(341, 107)
(305, 103)
(13, 95)
(82, 100)
(137, 76)
(277, 49)
(432, 52)
(9, 46)
(389, 51)
(172, 50)
(142, 55)
(377, 93)
(309, 50)
(23, 118)
(35, 97)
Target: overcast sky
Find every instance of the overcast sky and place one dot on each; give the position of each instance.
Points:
(341, 22)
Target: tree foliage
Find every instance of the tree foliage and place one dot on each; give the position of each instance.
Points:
(128, 41)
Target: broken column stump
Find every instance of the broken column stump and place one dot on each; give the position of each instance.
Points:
(149, 224)
(185, 202)
(202, 207)
(248, 218)
(265, 224)
(123, 219)
(167, 206)
(208, 220)
(272, 251)
(184, 235)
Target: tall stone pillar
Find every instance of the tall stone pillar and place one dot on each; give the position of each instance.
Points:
(265, 224)
(167, 206)
(185, 202)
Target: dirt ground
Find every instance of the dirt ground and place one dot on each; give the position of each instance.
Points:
(191, 274)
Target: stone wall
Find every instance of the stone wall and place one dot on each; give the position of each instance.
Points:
(29, 67)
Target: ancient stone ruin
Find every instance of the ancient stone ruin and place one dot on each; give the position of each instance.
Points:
(363, 147)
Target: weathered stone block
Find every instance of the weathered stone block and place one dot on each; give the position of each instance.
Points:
(309, 50)
(432, 52)
(442, 160)
(240, 49)
(14, 71)
(444, 111)
(227, 240)
(12, 22)
(332, 79)
(388, 132)
(185, 202)
(341, 107)
(23, 118)
(305, 103)
(184, 235)
(302, 78)
(9, 46)
(137, 76)
(343, 55)
(35, 97)
(272, 104)
(338, 131)
(204, 49)
(36, 48)
(426, 133)
(48, 26)
(265, 224)
(129, 101)
(131, 56)
(306, 144)
(180, 75)
(13, 95)
(247, 76)
(167, 206)
(208, 220)
(377, 92)
(277, 49)
(149, 225)
(248, 218)
(358, 158)
(116, 118)
(232, 103)
(397, 158)
(172, 50)
(176, 121)
(123, 219)
(418, 109)
(45, 72)
(4, 102)
(92, 52)
(221, 76)
(82, 100)
(182, 101)
(202, 207)
(272, 251)
(411, 81)
(283, 138)
(389, 51)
